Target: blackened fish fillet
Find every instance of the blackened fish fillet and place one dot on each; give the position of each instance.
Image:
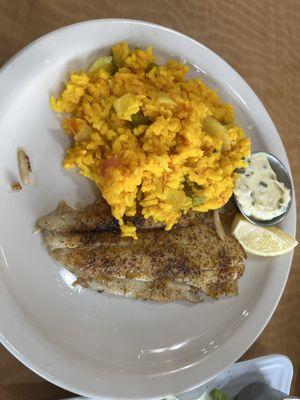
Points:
(158, 290)
(192, 255)
(189, 262)
(97, 217)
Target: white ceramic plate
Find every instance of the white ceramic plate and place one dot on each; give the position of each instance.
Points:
(100, 345)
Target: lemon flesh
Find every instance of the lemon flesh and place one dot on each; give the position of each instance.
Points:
(261, 241)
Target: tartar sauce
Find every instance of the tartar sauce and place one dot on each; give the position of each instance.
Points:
(258, 191)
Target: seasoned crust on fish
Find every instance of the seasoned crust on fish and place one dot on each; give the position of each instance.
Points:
(187, 255)
(190, 262)
(158, 290)
(97, 217)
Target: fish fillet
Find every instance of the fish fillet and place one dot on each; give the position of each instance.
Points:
(190, 262)
(97, 217)
(158, 290)
(192, 255)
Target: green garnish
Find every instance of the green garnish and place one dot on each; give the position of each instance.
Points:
(217, 394)
(188, 190)
(150, 66)
(139, 119)
(117, 63)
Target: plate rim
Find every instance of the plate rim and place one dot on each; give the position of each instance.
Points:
(267, 316)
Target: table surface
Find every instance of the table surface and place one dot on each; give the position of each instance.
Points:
(260, 39)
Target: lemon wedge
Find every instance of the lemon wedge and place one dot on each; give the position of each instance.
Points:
(261, 241)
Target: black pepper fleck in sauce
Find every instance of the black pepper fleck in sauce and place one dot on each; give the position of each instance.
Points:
(240, 170)
(263, 184)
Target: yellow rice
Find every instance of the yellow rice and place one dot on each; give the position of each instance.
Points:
(168, 163)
